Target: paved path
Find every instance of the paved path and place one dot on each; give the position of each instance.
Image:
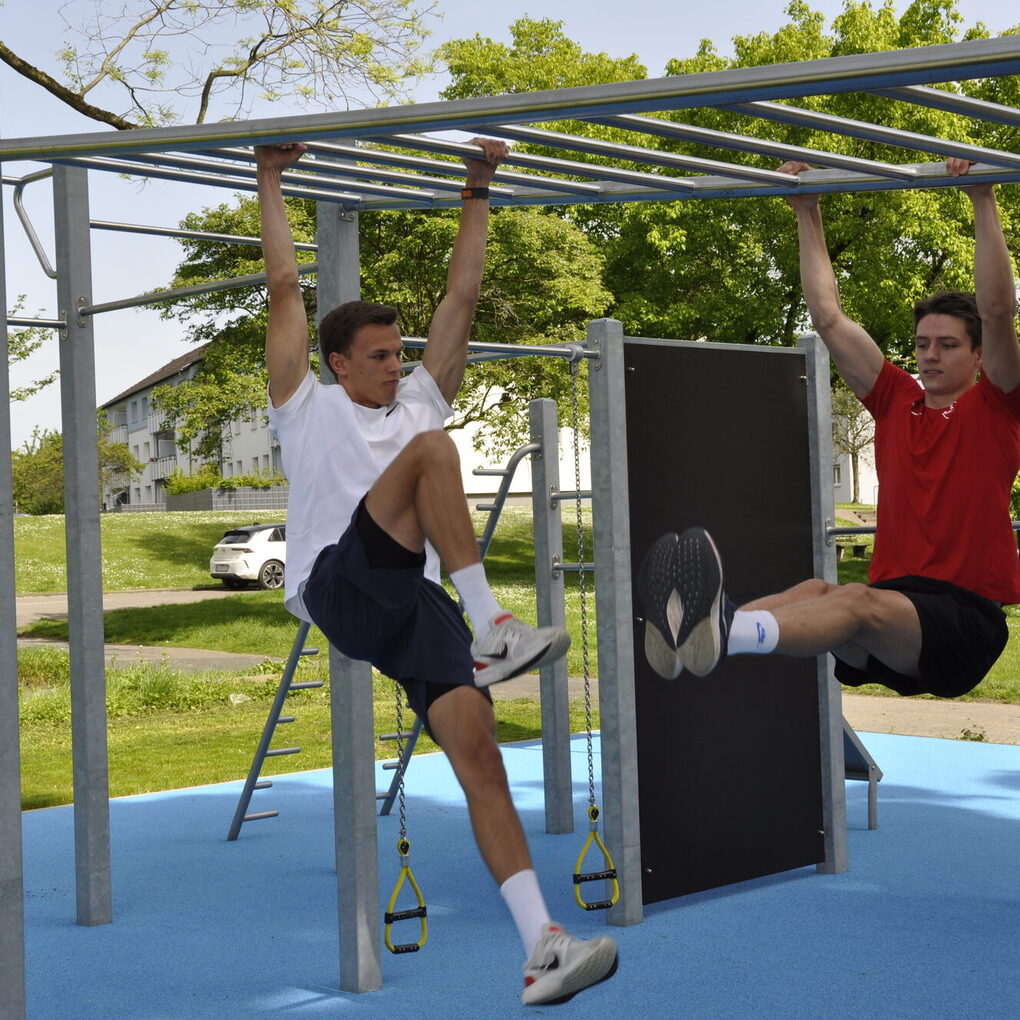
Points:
(991, 721)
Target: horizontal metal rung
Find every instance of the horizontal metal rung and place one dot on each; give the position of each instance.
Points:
(276, 752)
(305, 684)
(485, 507)
(487, 472)
(559, 497)
(395, 736)
(309, 651)
(263, 784)
(260, 814)
(286, 718)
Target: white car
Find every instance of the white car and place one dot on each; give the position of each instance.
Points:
(254, 552)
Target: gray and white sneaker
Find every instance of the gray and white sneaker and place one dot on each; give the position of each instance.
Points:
(512, 647)
(687, 612)
(706, 611)
(562, 965)
(660, 602)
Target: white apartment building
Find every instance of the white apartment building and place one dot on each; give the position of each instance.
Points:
(248, 447)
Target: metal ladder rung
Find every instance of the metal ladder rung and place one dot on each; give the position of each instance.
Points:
(395, 736)
(275, 716)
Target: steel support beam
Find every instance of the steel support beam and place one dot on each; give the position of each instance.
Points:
(555, 696)
(84, 556)
(830, 707)
(350, 692)
(615, 613)
(12, 887)
(922, 65)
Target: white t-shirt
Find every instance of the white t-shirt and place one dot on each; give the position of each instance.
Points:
(333, 452)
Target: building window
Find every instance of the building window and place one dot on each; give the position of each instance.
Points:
(837, 474)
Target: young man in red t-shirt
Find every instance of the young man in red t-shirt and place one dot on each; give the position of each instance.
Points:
(947, 452)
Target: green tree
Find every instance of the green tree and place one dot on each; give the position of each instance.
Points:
(146, 63)
(22, 343)
(853, 431)
(542, 285)
(726, 270)
(38, 469)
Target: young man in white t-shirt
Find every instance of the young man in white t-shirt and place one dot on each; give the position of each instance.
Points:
(376, 494)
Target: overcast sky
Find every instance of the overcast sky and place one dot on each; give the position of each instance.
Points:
(131, 344)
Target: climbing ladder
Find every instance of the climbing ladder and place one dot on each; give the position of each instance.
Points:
(275, 718)
(287, 683)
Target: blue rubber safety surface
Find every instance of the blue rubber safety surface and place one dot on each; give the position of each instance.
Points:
(925, 924)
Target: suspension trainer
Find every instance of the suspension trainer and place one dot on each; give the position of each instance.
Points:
(404, 850)
(608, 871)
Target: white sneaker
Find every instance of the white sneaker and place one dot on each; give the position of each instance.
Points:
(562, 965)
(512, 647)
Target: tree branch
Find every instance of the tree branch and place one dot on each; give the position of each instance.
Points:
(64, 94)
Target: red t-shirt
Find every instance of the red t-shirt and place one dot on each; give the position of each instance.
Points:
(944, 477)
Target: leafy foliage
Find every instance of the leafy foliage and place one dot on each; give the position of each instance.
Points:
(22, 343)
(727, 270)
(853, 430)
(38, 469)
(542, 285)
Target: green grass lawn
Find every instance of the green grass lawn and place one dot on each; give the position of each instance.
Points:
(164, 550)
(170, 729)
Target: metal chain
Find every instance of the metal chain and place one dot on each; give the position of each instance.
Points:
(582, 586)
(400, 758)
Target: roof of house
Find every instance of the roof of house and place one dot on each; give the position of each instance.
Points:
(168, 371)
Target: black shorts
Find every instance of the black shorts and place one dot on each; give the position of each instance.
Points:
(370, 597)
(962, 634)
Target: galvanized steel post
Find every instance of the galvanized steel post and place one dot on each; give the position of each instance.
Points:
(12, 884)
(546, 513)
(823, 507)
(615, 614)
(84, 556)
(350, 689)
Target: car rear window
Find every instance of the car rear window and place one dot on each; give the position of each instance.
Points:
(234, 537)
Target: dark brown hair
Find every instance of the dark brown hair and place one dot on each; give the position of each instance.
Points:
(337, 329)
(958, 303)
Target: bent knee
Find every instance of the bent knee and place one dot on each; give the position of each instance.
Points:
(433, 443)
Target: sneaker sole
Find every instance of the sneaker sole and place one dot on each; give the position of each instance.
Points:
(556, 648)
(700, 583)
(598, 968)
(661, 604)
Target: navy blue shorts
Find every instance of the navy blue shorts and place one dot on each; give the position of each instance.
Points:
(370, 597)
(962, 634)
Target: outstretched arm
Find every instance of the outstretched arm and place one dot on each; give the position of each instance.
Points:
(994, 287)
(287, 332)
(445, 354)
(855, 353)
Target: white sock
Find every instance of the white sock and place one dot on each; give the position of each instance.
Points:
(527, 906)
(480, 604)
(752, 631)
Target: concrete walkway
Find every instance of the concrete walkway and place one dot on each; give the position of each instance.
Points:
(968, 720)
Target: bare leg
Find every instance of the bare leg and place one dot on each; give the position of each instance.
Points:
(465, 727)
(852, 621)
(421, 495)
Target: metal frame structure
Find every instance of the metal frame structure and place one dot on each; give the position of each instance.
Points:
(385, 159)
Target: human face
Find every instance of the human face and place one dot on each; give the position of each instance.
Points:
(946, 362)
(371, 368)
